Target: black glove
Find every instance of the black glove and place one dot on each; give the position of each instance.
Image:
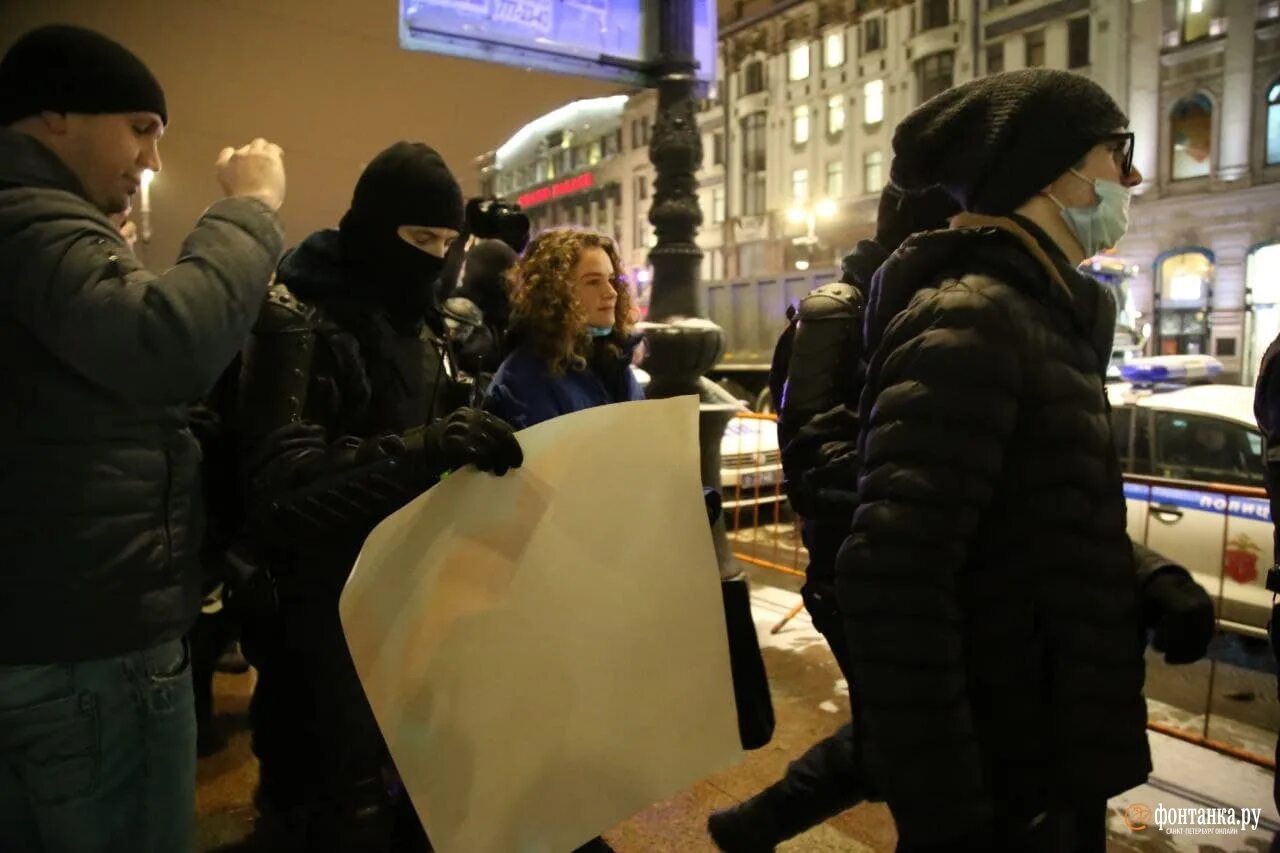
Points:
(1180, 612)
(712, 499)
(472, 437)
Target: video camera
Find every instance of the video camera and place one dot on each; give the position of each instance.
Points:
(493, 219)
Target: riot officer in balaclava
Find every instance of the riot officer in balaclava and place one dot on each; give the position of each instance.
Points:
(345, 398)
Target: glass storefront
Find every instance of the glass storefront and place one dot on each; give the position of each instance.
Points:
(1183, 293)
(1262, 301)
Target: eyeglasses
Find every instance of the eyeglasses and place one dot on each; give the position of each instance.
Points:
(1121, 150)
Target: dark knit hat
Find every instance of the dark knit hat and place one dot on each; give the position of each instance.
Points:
(65, 69)
(407, 184)
(995, 142)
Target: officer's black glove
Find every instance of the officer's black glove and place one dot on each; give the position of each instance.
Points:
(1180, 612)
(472, 437)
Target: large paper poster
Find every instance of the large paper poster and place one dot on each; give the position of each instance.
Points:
(545, 652)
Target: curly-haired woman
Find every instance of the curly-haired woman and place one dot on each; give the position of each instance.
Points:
(570, 344)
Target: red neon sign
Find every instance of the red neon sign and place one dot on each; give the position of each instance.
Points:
(568, 186)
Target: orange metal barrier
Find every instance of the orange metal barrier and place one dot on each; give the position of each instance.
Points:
(764, 532)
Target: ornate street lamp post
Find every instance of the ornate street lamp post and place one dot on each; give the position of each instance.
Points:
(682, 346)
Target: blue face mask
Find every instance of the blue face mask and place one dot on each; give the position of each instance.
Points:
(600, 331)
(1102, 225)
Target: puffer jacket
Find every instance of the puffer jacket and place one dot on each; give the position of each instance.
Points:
(100, 516)
(990, 592)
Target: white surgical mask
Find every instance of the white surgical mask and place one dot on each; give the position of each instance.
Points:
(1102, 225)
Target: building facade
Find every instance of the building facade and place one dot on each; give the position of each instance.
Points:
(797, 139)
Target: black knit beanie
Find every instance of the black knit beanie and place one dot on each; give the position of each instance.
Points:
(995, 142)
(66, 69)
(406, 184)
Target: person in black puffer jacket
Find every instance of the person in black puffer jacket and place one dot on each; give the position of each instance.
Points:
(994, 607)
(818, 431)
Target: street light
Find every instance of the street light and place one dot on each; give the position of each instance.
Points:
(144, 207)
(802, 214)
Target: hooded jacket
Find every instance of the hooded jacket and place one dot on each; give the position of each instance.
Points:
(990, 591)
(100, 517)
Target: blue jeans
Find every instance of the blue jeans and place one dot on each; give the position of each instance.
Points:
(99, 756)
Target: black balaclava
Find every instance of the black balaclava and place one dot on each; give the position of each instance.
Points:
(407, 184)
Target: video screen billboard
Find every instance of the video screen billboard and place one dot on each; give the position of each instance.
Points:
(607, 39)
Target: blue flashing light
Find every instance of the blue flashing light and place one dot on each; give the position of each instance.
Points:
(1171, 368)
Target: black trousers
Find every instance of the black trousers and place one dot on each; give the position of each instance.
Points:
(827, 779)
(326, 780)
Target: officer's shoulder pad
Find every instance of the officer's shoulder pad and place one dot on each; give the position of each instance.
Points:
(284, 311)
(835, 299)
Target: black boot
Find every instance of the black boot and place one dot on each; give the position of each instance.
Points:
(750, 827)
(820, 784)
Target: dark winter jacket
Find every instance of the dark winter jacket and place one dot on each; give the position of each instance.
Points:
(1266, 408)
(327, 381)
(819, 453)
(524, 392)
(100, 517)
(990, 591)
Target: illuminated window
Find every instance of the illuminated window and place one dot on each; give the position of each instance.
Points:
(800, 185)
(798, 62)
(1199, 19)
(872, 172)
(1185, 283)
(800, 124)
(833, 49)
(717, 205)
(754, 128)
(873, 102)
(835, 179)
(835, 114)
(1190, 138)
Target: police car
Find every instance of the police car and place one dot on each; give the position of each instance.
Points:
(750, 463)
(1194, 480)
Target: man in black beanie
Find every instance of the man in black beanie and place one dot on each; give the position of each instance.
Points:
(99, 514)
(348, 411)
(992, 598)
